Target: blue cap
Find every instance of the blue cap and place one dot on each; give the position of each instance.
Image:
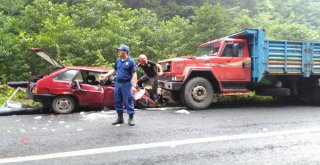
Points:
(123, 47)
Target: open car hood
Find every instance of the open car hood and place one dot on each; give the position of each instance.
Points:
(44, 55)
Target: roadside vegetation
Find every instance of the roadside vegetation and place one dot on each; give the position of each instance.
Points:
(86, 32)
(21, 96)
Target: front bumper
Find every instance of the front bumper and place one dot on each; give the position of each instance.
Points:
(44, 99)
(170, 85)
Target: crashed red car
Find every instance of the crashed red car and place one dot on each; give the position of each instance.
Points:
(63, 88)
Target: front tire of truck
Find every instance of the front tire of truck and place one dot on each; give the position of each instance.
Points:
(197, 93)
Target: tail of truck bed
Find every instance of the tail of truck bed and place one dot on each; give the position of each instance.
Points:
(271, 57)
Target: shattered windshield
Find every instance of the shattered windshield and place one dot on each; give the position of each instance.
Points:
(208, 50)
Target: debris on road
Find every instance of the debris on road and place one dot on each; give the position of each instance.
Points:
(96, 116)
(61, 122)
(38, 117)
(22, 130)
(79, 129)
(24, 140)
(182, 111)
(164, 108)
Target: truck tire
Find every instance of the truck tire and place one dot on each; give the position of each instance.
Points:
(273, 92)
(197, 93)
(63, 104)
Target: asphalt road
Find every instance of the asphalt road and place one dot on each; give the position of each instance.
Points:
(286, 134)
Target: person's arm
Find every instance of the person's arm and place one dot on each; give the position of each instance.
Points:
(134, 79)
(110, 73)
(159, 67)
(138, 65)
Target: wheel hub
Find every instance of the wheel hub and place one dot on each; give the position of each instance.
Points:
(199, 93)
(63, 104)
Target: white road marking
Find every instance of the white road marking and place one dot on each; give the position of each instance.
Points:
(155, 145)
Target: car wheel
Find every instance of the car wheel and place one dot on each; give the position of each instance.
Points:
(198, 93)
(63, 104)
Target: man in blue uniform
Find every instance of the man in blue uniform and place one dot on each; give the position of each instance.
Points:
(125, 71)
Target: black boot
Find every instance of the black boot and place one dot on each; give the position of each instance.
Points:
(131, 121)
(119, 119)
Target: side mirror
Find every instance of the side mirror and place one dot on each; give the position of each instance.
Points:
(75, 84)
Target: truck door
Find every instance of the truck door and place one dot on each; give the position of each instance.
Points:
(234, 63)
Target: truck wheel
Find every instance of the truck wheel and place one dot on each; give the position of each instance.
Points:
(63, 104)
(198, 93)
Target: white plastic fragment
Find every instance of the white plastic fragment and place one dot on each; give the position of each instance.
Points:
(79, 129)
(38, 117)
(96, 116)
(61, 122)
(182, 111)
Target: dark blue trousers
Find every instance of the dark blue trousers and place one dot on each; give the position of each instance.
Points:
(124, 97)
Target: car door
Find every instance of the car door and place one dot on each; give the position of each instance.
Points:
(89, 93)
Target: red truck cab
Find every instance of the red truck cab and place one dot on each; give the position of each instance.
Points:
(219, 66)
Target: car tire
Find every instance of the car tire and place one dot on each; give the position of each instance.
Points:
(198, 93)
(63, 104)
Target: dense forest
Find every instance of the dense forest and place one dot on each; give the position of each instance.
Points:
(86, 32)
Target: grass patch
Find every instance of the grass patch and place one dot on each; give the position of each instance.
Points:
(251, 98)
